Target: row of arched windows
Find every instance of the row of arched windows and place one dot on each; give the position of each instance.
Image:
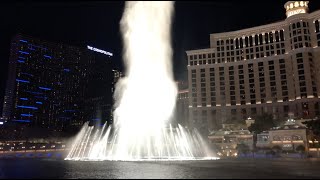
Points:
(297, 25)
(250, 41)
(317, 26)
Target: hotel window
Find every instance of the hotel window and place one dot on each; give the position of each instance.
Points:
(293, 26)
(271, 73)
(298, 25)
(266, 38)
(250, 41)
(281, 35)
(301, 72)
(237, 43)
(301, 78)
(285, 93)
(261, 48)
(256, 40)
(277, 36)
(246, 42)
(271, 37)
(317, 26)
(260, 39)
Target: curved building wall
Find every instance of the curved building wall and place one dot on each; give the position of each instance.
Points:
(272, 68)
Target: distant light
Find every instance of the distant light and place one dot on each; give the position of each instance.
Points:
(26, 115)
(47, 56)
(23, 52)
(21, 120)
(27, 107)
(21, 80)
(100, 51)
(44, 88)
(1, 123)
(69, 110)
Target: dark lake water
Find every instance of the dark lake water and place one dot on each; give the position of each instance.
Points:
(223, 168)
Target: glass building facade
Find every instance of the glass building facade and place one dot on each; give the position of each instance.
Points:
(50, 85)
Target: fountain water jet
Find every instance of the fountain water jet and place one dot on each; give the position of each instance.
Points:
(145, 98)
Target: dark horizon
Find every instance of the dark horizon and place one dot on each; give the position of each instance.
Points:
(97, 24)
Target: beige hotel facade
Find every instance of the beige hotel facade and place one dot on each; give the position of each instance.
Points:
(272, 68)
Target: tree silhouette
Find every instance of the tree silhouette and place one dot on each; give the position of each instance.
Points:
(313, 125)
(243, 148)
(301, 149)
(262, 122)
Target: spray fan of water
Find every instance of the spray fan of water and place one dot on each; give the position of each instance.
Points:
(145, 98)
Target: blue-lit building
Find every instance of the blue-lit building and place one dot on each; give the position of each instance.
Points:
(51, 85)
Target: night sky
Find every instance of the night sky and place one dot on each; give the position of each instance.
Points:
(96, 23)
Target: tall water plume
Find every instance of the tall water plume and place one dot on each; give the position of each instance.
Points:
(145, 97)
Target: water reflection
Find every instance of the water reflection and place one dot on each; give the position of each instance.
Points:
(232, 168)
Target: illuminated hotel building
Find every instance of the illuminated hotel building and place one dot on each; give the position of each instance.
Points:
(49, 84)
(273, 68)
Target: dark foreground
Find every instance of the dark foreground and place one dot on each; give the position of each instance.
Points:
(224, 168)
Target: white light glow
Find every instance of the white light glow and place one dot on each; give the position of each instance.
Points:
(99, 50)
(296, 11)
(145, 98)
